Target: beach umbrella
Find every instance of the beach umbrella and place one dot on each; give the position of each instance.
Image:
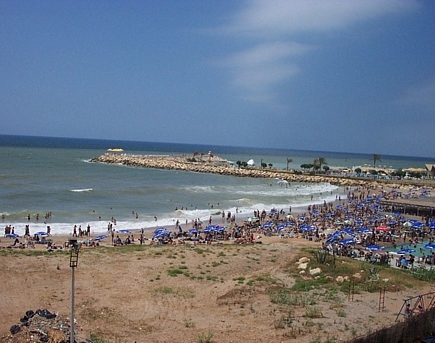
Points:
(431, 224)
(418, 225)
(407, 224)
(364, 229)
(12, 235)
(347, 241)
(162, 234)
(280, 227)
(374, 247)
(160, 229)
(253, 219)
(382, 228)
(336, 235)
(99, 238)
(405, 251)
(124, 231)
(250, 162)
(289, 216)
(192, 230)
(430, 246)
(40, 233)
(266, 225)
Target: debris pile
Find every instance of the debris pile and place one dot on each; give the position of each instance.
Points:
(40, 326)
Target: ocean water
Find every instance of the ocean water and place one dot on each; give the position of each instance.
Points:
(41, 175)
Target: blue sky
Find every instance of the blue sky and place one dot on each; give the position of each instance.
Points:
(328, 75)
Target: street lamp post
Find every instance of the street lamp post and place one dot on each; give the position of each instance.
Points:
(73, 262)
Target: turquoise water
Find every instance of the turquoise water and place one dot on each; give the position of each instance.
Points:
(419, 248)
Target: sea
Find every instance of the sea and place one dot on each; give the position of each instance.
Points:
(48, 181)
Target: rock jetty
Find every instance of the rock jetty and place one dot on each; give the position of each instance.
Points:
(217, 165)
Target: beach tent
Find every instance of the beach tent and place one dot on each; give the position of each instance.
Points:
(251, 162)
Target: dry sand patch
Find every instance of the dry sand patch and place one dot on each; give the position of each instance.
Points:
(185, 294)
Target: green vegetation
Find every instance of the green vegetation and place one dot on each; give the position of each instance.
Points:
(206, 337)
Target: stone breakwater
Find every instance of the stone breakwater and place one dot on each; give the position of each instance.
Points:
(217, 166)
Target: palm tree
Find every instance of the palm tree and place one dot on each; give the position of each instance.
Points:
(375, 158)
(289, 160)
(319, 161)
(322, 160)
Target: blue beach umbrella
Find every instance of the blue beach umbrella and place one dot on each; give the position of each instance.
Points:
(209, 228)
(347, 241)
(364, 229)
(12, 235)
(40, 233)
(430, 246)
(161, 234)
(374, 248)
(335, 236)
(160, 229)
(124, 231)
(405, 251)
(418, 225)
(99, 238)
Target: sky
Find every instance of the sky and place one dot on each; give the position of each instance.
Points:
(324, 75)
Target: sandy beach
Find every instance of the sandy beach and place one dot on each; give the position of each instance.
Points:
(189, 292)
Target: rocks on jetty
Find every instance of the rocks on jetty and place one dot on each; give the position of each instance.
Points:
(216, 165)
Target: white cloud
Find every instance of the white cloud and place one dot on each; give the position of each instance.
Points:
(282, 17)
(257, 69)
(271, 26)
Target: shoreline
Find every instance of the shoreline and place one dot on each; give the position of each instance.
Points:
(241, 221)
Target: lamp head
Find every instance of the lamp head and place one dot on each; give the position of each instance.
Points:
(73, 243)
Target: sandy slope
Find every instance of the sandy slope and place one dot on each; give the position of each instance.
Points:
(131, 296)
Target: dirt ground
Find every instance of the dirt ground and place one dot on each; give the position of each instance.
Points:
(208, 293)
